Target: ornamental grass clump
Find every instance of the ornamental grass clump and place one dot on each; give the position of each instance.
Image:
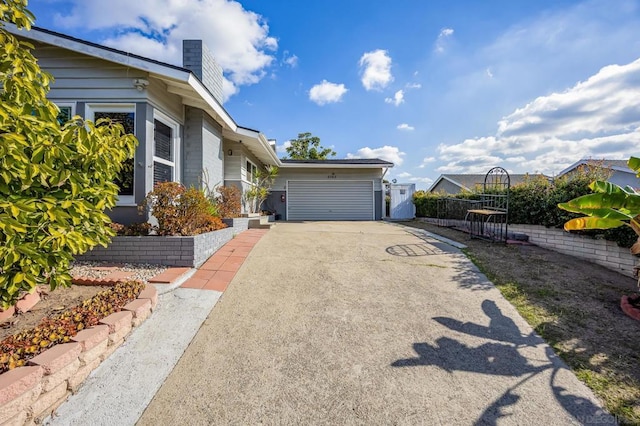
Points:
(19, 348)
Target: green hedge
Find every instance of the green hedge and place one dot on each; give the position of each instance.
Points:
(535, 202)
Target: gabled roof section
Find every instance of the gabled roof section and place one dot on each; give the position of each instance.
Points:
(179, 80)
(468, 182)
(338, 163)
(464, 182)
(617, 165)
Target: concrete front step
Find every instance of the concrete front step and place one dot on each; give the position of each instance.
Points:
(261, 222)
(261, 226)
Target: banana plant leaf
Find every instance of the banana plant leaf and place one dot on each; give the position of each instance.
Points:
(606, 187)
(634, 164)
(603, 213)
(628, 204)
(583, 223)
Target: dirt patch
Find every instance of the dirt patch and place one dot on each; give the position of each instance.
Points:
(575, 306)
(61, 299)
(51, 303)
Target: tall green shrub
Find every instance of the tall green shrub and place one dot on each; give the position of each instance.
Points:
(426, 203)
(55, 181)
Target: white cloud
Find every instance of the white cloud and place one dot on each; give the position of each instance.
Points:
(405, 126)
(326, 92)
(404, 175)
(425, 161)
(397, 99)
(282, 149)
(387, 153)
(426, 180)
(239, 39)
(289, 59)
(375, 68)
(489, 73)
(442, 40)
(597, 118)
(413, 86)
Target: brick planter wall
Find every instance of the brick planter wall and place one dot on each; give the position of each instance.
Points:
(602, 252)
(170, 251)
(238, 224)
(29, 394)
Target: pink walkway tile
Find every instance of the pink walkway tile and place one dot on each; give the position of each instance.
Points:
(218, 271)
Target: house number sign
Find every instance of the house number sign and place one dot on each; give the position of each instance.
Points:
(331, 177)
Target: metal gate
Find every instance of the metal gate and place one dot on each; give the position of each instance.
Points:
(401, 203)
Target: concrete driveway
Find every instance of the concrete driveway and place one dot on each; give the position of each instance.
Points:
(366, 323)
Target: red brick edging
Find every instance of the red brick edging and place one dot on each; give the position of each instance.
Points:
(628, 308)
(30, 393)
(23, 305)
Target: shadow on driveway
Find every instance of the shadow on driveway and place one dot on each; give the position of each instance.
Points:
(500, 357)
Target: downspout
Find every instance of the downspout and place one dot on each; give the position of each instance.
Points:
(384, 196)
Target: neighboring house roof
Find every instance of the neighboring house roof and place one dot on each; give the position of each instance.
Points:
(333, 163)
(468, 182)
(617, 165)
(178, 80)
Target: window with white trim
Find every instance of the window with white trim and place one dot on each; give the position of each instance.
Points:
(125, 115)
(164, 152)
(251, 171)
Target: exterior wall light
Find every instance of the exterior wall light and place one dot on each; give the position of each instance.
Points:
(140, 83)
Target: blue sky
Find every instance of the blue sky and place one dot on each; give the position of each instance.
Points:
(434, 86)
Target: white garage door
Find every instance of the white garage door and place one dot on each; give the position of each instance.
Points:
(330, 200)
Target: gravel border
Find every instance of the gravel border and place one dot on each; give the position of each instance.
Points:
(141, 271)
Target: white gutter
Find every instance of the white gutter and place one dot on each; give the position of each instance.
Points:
(210, 100)
(264, 142)
(333, 166)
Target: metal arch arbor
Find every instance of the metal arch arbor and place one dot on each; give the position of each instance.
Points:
(488, 217)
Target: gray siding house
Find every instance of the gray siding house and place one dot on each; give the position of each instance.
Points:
(187, 136)
(621, 174)
(457, 183)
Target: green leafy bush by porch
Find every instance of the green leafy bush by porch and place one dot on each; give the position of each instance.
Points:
(55, 181)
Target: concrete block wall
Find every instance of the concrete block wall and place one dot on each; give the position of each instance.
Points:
(204, 245)
(212, 152)
(238, 224)
(192, 153)
(197, 58)
(190, 251)
(602, 252)
(203, 150)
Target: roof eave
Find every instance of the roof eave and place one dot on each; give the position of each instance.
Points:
(101, 52)
(335, 166)
(166, 72)
(262, 144)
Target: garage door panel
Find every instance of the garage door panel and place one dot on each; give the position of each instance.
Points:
(330, 200)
